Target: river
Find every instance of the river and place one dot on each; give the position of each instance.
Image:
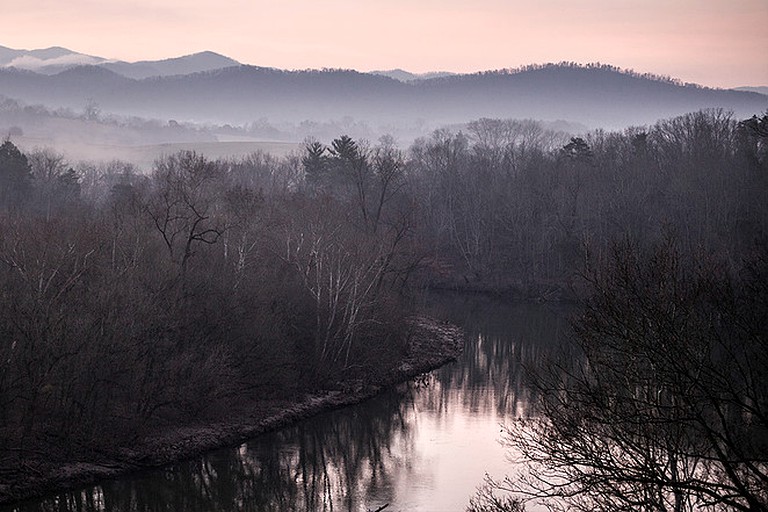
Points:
(422, 447)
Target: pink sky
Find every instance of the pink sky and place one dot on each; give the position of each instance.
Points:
(721, 43)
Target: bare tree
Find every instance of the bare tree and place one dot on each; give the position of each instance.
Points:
(388, 169)
(342, 270)
(183, 204)
(55, 181)
(665, 404)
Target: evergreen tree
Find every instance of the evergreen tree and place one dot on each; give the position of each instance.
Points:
(15, 176)
(315, 163)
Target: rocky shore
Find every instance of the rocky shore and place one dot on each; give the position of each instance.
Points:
(431, 344)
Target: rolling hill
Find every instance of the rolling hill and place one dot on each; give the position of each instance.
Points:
(208, 87)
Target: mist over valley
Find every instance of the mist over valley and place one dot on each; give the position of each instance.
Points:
(209, 97)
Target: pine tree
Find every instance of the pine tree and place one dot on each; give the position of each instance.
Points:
(15, 176)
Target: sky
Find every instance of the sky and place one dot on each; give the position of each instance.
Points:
(717, 43)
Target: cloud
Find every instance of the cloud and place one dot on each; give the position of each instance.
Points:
(31, 63)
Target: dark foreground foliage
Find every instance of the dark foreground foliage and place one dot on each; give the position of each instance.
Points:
(664, 404)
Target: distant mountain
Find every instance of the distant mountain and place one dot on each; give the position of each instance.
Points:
(48, 61)
(54, 52)
(758, 89)
(406, 76)
(54, 60)
(7, 55)
(595, 95)
(188, 64)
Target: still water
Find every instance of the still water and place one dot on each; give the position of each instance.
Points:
(424, 446)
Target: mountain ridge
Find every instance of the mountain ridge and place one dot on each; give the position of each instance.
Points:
(406, 76)
(596, 95)
(760, 89)
(54, 60)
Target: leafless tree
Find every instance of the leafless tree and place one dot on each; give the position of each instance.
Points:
(664, 406)
(183, 204)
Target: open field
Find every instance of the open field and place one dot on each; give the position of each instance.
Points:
(143, 156)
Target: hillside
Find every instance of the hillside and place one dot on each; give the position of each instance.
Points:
(597, 96)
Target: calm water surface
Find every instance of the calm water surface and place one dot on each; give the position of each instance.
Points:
(424, 446)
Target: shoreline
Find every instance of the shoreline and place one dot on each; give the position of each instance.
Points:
(432, 344)
(538, 292)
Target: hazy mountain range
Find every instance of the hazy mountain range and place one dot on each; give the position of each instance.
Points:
(759, 89)
(406, 76)
(51, 61)
(208, 87)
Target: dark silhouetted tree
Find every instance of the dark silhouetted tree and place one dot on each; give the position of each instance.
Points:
(315, 163)
(182, 206)
(15, 176)
(663, 406)
(577, 149)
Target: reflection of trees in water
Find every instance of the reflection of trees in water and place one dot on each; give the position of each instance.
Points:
(346, 455)
(335, 461)
(504, 341)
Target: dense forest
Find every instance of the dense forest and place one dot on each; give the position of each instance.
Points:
(515, 208)
(131, 302)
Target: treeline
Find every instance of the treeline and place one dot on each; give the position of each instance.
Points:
(131, 301)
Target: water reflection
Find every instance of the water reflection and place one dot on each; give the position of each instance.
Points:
(424, 446)
(503, 340)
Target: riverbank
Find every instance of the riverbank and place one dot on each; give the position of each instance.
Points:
(431, 344)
